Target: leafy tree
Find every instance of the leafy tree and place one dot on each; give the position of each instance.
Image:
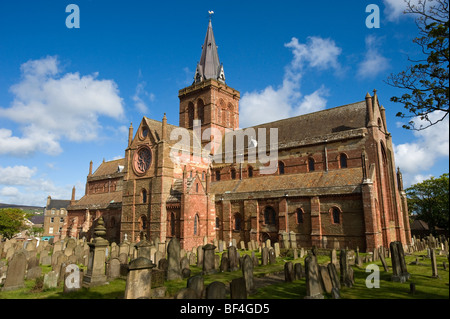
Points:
(429, 200)
(12, 221)
(426, 81)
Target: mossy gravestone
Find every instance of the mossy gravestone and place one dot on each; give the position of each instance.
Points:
(16, 272)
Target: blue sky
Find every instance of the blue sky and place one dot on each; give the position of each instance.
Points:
(68, 96)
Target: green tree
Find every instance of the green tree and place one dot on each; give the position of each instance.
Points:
(426, 81)
(12, 221)
(429, 201)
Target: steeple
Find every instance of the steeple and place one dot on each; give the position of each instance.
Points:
(209, 66)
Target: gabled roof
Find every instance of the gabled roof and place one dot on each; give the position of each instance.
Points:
(109, 168)
(98, 201)
(58, 204)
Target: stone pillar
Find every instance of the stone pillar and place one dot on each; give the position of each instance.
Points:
(97, 256)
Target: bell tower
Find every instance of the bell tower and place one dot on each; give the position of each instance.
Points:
(209, 99)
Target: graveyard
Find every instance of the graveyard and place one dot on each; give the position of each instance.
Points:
(220, 270)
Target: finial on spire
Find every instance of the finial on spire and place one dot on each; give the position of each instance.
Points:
(211, 13)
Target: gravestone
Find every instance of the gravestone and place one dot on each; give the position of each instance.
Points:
(325, 279)
(383, 262)
(113, 269)
(264, 256)
(238, 289)
(298, 271)
(224, 264)
(398, 265)
(215, 290)
(199, 256)
(434, 264)
(139, 279)
(186, 293)
(209, 262)
(197, 284)
(334, 276)
(33, 273)
(344, 267)
(173, 258)
(50, 280)
(233, 259)
(272, 258)
(15, 274)
(289, 275)
(276, 247)
(247, 272)
(313, 289)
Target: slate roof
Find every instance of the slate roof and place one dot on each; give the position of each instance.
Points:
(109, 168)
(58, 204)
(311, 180)
(98, 201)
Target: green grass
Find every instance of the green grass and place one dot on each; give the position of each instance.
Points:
(426, 286)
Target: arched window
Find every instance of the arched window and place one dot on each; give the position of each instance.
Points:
(144, 196)
(336, 215)
(269, 215)
(201, 111)
(172, 224)
(311, 164)
(196, 221)
(280, 168)
(217, 222)
(190, 114)
(343, 161)
(237, 221)
(143, 222)
(217, 172)
(233, 173)
(299, 216)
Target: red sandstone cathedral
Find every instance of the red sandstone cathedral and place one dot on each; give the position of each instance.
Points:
(334, 185)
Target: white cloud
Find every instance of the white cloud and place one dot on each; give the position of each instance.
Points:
(141, 97)
(271, 104)
(374, 62)
(50, 106)
(22, 185)
(415, 158)
(16, 175)
(394, 9)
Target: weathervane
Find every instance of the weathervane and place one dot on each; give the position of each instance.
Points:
(210, 14)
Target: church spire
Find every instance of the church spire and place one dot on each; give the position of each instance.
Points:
(209, 66)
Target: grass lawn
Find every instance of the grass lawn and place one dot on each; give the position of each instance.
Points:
(426, 286)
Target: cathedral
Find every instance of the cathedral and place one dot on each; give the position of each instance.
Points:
(333, 180)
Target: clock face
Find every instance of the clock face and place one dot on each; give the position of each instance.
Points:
(142, 160)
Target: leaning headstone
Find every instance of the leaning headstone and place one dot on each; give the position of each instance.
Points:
(237, 288)
(215, 290)
(383, 262)
(139, 279)
(325, 279)
(434, 264)
(334, 276)
(15, 274)
(313, 289)
(173, 256)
